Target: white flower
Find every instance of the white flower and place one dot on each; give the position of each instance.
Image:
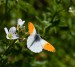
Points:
(20, 22)
(70, 9)
(11, 34)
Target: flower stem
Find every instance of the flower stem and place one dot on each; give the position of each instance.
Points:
(6, 52)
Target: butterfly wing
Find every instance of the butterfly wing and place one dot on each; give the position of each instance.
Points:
(47, 46)
(34, 46)
(31, 28)
(30, 40)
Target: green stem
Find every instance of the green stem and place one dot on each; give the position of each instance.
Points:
(6, 51)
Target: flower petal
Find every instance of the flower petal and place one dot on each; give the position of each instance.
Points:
(20, 22)
(12, 30)
(7, 37)
(15, 36)
(6, 30)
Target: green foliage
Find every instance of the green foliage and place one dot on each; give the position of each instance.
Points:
(54, 21)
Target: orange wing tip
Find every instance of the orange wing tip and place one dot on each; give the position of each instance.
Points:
(31, 27)
(49, 47)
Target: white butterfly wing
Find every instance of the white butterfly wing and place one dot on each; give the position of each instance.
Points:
(30, 40)
(34, 46)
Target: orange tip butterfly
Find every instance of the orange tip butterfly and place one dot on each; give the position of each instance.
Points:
(35, 43)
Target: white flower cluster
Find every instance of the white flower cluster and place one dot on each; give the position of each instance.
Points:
(12, 34)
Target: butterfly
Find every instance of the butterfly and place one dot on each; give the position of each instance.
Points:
(35, 43)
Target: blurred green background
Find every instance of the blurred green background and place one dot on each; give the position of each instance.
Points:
(54, 21)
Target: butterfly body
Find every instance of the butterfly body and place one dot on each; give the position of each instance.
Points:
(37, 37)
